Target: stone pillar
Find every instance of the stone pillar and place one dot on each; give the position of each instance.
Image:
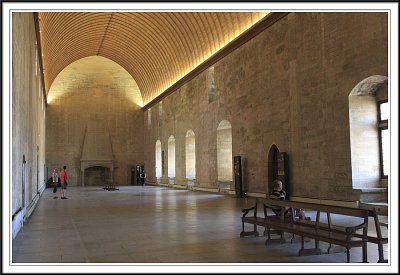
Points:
(83, 177)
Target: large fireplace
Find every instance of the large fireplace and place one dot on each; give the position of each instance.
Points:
(97, 175)
(97, 161)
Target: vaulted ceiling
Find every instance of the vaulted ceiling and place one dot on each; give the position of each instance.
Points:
(156, 48)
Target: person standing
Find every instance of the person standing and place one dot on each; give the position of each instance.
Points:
(142, 177)
(63, 181)
(55, 182)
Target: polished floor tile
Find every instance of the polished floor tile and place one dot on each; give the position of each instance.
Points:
(149, 224)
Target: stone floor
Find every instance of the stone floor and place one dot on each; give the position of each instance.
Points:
(152, 225)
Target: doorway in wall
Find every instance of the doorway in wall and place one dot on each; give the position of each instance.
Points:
(277, 169)
(272, 167)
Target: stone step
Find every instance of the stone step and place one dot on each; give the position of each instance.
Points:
(374, 195)
(380, 207)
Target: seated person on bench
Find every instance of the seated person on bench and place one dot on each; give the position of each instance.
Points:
(279, 194)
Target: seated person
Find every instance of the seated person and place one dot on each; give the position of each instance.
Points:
(279, 194)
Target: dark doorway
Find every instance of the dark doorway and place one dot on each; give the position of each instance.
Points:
(277, 169)
(139, 175)
(272, 166)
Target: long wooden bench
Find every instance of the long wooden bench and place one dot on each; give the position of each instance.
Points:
(379, 239)
(342, 235)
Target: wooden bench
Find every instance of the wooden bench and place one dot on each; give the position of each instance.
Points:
(343, 235)
(379, 239)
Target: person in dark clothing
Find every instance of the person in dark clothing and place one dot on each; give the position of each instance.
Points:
(55, 180)
(142, 178)
(279, 194)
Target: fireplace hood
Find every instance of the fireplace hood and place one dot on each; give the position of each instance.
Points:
(97, 148)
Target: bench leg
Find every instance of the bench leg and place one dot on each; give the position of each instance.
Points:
(380, 250)
(291, 240)
(329, 248)
(364, 251)
(249, 233)
(309, 251)
(242, 233)
(277, 240)
(348, 254)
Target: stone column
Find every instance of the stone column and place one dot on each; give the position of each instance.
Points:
(83, 177)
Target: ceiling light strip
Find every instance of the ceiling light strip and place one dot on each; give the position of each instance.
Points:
(253, 31)
(39, 49)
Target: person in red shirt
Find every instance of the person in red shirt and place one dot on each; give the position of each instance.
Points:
(63, 181)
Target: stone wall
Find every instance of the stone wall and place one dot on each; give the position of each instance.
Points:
(28, 116)
(288, 86)
(94, 89)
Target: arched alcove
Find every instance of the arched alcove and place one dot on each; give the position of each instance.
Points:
(190, 155)
(171, 157)
(224, 151)
(366, 149)
(158, 159)
(90, 90)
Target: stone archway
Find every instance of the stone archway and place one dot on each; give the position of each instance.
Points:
(190, 155)
(158, 160)
(364, 135)
(272, 166)
(224, 152)
(171, 159)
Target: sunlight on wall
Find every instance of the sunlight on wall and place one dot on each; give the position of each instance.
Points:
(91, 74)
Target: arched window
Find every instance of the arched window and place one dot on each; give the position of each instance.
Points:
(158, 159)
(171, 157)
(190, 152)
(369, 137)
(384, 138)
(224, 151)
